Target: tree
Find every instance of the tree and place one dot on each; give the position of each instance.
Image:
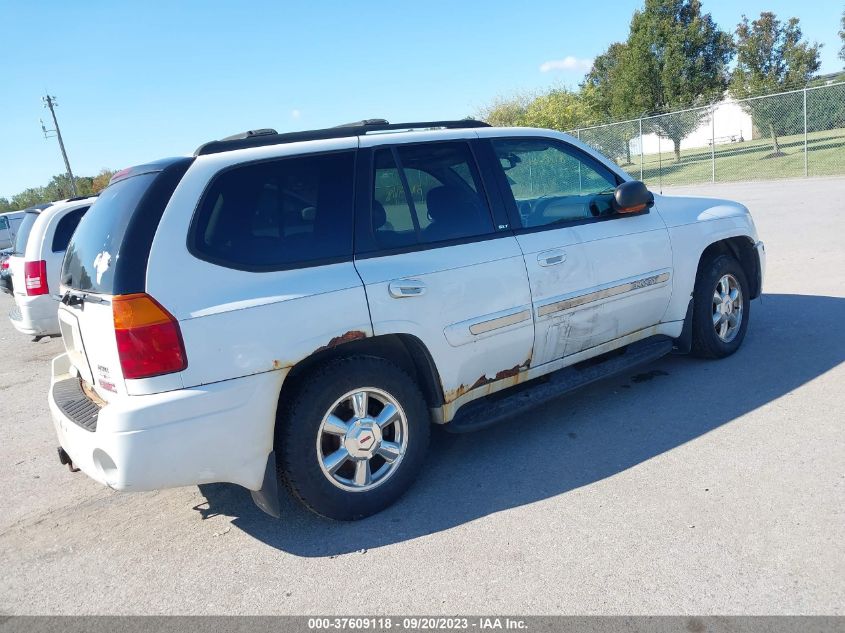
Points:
(605, 102)
(771, 58)
(557, 109)
(842, 37)
(101, 180)
(675, 57)
(506, 111)
(57, 189)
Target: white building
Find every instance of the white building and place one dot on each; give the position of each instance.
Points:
(732, 125)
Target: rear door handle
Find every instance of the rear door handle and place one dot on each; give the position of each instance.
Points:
(406, 288)
(550, 258)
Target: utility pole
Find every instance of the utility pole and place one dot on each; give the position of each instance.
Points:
(50, 102)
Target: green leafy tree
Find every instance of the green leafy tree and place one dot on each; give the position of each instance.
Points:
(557, 109)
(605, 102)
(57, 189)
(771, 58)
(842, 37)
(506, 111)
(675, 57)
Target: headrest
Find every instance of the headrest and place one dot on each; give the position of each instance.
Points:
(444, 202)
(379, 215)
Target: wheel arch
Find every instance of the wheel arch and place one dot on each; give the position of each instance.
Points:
(405, 350)
(742, 248)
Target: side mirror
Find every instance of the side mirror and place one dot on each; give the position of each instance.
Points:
(632, 197)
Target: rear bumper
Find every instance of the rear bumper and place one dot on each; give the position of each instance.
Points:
(215, 433)
(37, 316)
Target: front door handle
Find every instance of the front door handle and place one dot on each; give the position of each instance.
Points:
(550, 258)
(404, 288)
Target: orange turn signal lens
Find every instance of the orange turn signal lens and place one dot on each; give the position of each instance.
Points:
(138, 310)
(634, 209)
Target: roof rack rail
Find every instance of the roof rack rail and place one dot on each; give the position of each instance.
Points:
(263, 137)
(74, 199)
(265, 131)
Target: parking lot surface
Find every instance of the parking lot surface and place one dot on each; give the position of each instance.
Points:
(686, 486)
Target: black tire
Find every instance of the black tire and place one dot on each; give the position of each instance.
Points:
(299, 422)
(706, 342)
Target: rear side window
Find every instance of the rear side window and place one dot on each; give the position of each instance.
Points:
(425, 194)
(24, 230)
(278, 214)
(65, 228)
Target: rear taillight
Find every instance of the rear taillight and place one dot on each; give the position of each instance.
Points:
(149, 341)
(35, 278)
(4, 265)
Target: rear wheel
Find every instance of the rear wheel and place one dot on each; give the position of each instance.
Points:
(353, 437)
(721, 308)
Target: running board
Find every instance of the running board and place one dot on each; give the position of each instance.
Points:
(510, 403)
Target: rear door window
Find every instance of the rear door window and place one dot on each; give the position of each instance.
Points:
(427, 193)
(278, 214)
(65, 228)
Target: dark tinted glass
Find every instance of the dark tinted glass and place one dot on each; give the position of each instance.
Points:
(65, 228)
(275, 214)
(93, 251)
(24, 230)
(433, 198)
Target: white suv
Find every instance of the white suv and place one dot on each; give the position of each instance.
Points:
(36, 262)
(299, 308)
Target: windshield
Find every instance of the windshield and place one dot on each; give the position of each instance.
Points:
(94, 249)
(24, 230)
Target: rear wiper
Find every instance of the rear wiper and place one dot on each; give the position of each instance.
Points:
(70, 299)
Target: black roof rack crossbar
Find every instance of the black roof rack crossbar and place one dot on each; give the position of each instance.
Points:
(260, 138)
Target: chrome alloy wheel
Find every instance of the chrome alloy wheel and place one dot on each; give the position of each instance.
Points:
(362, 439)
(727, 308)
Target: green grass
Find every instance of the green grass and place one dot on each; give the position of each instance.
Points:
(747, 161)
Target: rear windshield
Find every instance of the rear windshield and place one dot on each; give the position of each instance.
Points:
(24, 230)
(95, 246)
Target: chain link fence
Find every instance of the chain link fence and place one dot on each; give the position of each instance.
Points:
(788, 135)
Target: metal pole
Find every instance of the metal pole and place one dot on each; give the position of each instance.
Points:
(805, 134)
(49, 101)
(713, 142)
(659, 166)
(641, 150)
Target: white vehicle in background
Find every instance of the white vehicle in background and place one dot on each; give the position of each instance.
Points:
(9, 223)
(36, 262)
(300, 308)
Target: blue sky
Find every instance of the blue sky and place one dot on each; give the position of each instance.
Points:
(139, 81)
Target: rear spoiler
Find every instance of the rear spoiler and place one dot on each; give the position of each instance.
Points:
(148, 168)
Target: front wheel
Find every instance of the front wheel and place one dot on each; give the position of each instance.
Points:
(353, 437)
(721, 308)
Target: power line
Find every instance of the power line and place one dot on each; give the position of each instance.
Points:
(50, 102)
